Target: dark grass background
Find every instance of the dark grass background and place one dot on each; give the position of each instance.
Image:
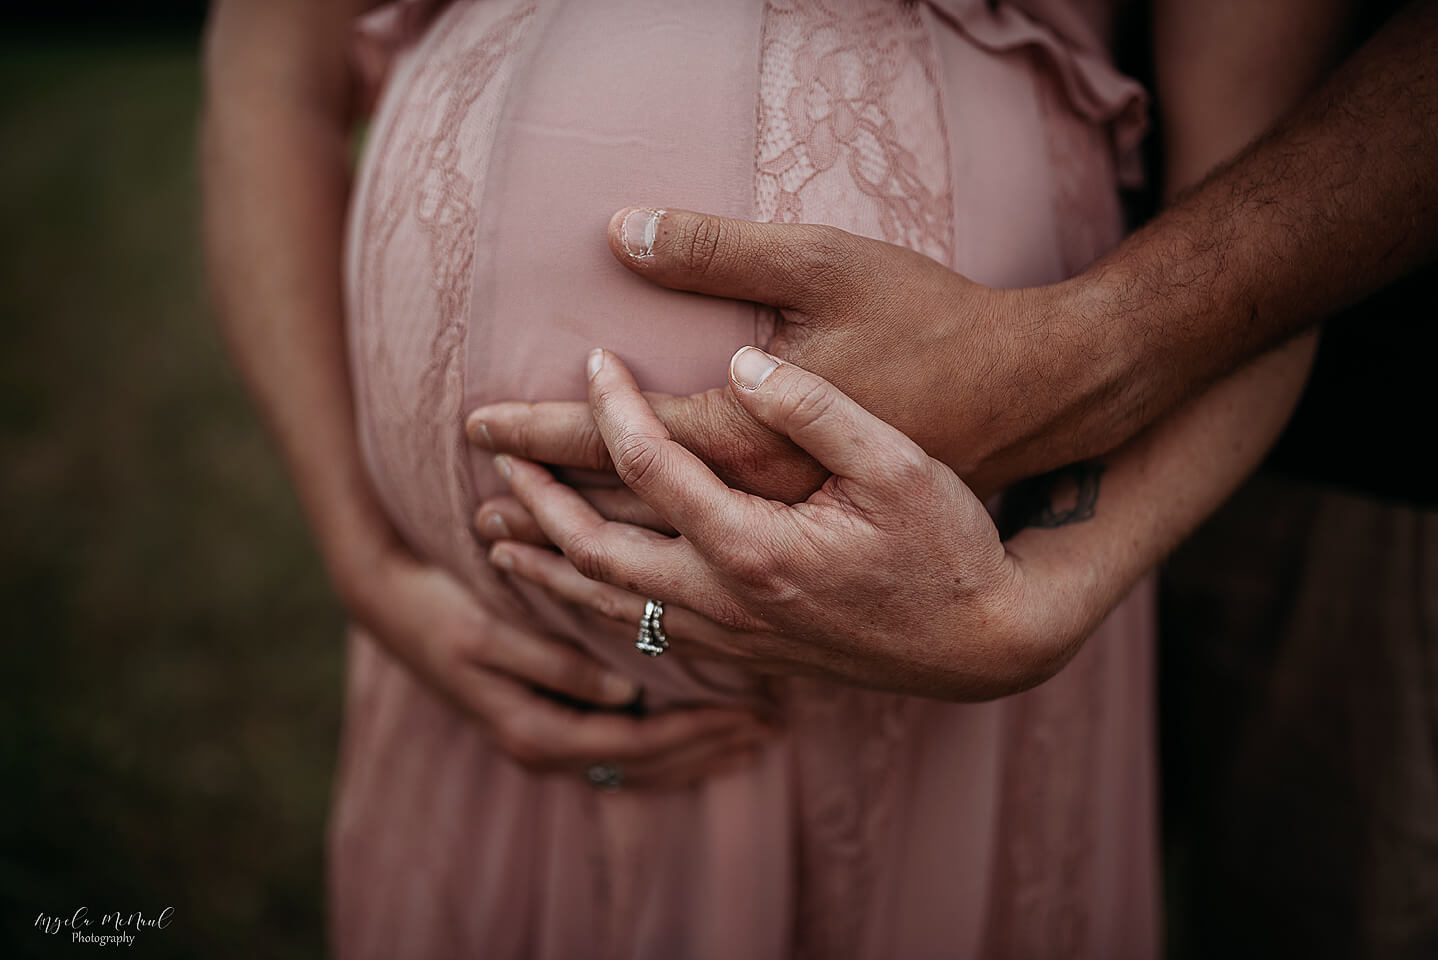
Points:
(170, 664)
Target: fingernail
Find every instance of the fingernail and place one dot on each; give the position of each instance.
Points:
(617, 688)
(495, 528)
(751, 367)
(501, 559)
(479, 434)
(501, 463)
(595, 363)
(638, 231)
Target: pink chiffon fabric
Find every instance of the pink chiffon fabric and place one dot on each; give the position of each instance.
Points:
(505, 133)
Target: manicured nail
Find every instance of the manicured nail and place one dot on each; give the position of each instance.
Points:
(495, 528)
(638, 231)
(595, 363)
(751, 367)
(502, 559)
(501, 463)
(617, 688)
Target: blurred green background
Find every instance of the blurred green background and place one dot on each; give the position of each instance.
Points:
(170, 675)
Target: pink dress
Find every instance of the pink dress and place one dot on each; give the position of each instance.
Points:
(506, 132)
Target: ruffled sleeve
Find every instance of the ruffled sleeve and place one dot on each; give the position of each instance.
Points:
(1070, 44)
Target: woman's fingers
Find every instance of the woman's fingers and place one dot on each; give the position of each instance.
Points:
(658, 750)
(618, 738)
(504, 518)
(563, 434)
(701, 760)
(622, 505)
(549, 663)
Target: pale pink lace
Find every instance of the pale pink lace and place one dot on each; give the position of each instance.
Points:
(422, 182)
(844, 94)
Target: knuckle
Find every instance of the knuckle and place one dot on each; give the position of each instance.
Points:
(748, 566)
(808, 402)
(521, 435)
(911, 467)
(518, 738)
(581, 678)
(751, 564)
(821, 263)
(474, 645)
(638, 460)
(728, 613)
(588, 557)
(607, 604)
(702, 245)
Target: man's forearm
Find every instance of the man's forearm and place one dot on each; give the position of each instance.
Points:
(276, 169)
(1337, 201)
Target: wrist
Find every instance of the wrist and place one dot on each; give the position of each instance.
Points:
(1089, 381)
(1045, 623)
(358, 559)
(1053, 383)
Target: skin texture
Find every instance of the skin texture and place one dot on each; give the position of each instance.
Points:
(279, 110)
(1334, 202)
(892, 574)
(1079, 537)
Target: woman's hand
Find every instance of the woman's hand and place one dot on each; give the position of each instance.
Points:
(891, 575)
(497, 673)
(953, 364)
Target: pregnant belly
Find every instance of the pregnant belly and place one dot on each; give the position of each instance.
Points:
(477, 268)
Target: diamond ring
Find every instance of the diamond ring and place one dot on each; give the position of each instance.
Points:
(652, 640)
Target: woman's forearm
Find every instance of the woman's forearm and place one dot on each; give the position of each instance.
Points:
(275, 163)
(1226, 69)
(1137, 504)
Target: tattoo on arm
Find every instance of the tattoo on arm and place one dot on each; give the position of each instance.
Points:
(1067, 495)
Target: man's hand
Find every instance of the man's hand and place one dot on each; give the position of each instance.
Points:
(945, 358)
(891, 575)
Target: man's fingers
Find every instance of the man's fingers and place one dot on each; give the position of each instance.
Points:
(848, 440)
(788, 265)
(664, 474)
(639, 560)
(691, 634)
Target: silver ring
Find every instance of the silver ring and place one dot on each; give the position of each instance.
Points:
(604, 776)
(652, 640)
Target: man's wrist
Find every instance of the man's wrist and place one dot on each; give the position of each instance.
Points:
(1057, 386)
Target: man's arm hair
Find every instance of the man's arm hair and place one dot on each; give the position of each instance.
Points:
(1336, 201)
